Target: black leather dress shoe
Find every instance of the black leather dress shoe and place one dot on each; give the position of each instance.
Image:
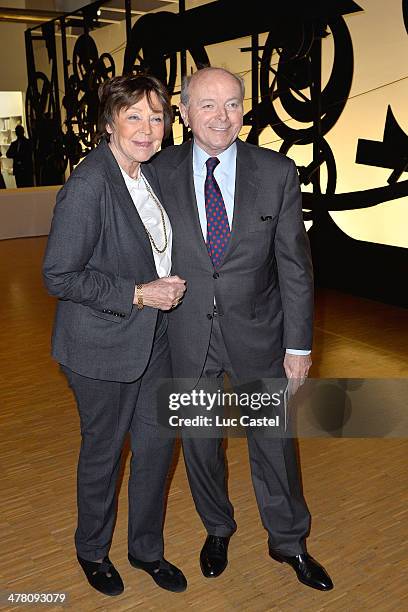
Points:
(308, 570)
(102, 576)
(213, 556)
(165, 575)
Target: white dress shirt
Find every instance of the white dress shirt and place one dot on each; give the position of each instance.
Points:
(224, 174)
(151, 218)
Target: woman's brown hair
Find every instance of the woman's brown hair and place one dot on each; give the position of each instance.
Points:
(124, 91)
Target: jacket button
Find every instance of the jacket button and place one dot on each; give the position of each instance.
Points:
(216, 275)
(209, 316)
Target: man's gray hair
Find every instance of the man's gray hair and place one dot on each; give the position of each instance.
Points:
(185, 85)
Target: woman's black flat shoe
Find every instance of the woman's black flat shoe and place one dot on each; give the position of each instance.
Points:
(102, 576)
(165, 574)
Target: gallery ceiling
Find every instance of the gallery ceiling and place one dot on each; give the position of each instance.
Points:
(33, 12)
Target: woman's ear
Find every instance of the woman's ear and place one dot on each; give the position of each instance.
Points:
(108, 128)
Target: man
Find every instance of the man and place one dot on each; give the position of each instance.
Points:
(241, 245)
(21, 154)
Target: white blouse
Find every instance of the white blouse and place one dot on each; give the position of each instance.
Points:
(151, 218)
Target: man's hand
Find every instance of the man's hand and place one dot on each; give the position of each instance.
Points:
(163, 293)
(296, 369)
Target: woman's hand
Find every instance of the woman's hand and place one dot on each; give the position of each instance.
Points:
(163, 293)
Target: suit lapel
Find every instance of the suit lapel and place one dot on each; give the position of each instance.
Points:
(150, 174)
(183, 185)
(124, 200)
(246, 190)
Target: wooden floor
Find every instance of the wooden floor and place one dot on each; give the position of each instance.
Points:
(357, 489)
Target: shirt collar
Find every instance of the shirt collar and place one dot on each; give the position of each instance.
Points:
(200, 157)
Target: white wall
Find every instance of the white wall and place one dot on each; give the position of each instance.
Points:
(10, 104)
(13, 3)
(26, 211)
(13, 73)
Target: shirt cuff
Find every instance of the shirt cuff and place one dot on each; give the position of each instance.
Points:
(297, 352)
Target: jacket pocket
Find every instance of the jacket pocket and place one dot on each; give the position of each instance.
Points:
(105, 316)
(264, 224)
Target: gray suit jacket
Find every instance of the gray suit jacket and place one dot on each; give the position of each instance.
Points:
(97, 251)
(264, 287)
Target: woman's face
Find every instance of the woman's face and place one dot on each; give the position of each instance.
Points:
(137, 131)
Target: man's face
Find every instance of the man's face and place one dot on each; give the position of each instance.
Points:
(215, 110)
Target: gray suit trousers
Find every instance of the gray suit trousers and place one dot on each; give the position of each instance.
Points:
(108, 411)
(274, 470)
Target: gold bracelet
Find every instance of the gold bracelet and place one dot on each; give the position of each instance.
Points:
(139, 295)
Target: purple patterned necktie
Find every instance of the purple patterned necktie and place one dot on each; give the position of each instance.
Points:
(218, 229)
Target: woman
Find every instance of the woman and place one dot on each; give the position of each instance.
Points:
(108, 261)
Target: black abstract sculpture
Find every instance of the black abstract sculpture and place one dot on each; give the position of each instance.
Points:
(43, 113)
(392, 152)
(81, 96)
(286, 71)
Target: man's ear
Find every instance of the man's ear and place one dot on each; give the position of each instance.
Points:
(183, 113)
